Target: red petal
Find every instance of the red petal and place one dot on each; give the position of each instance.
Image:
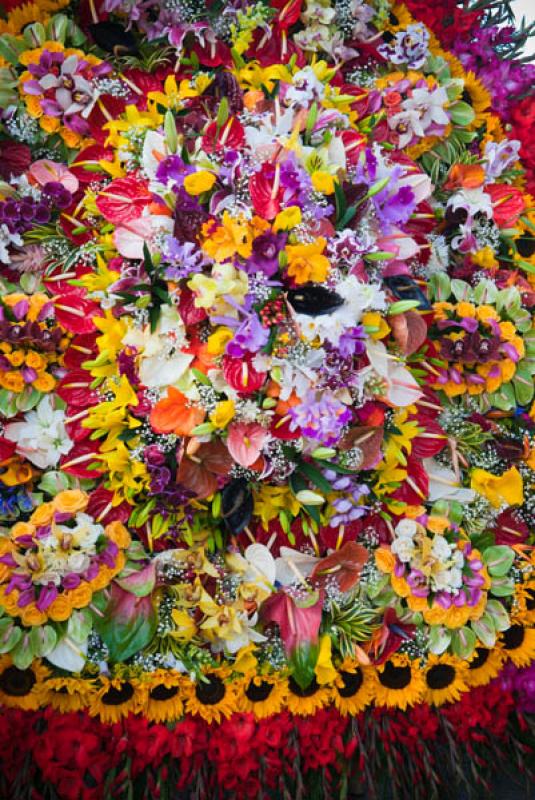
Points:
(81, 469)
(123, 200)
(75, 314)
(74, 389)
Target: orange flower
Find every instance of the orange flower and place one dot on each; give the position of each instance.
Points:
(306, 262)
(175, 414)
(465, 176)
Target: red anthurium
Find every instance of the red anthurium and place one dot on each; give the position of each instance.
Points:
(106, 108)
(241, 375)
(288, 12)
(415, 487)
(86, 165)
(344, 566)
(229, 136)
(431, 441)
(507, 202)
(510, 529)
(190, 314)
(266, 192)
(298, 624)
(82, 348)
(78, 459)
(75, 390)
(123, 200)
(75, 313)
(212, 54)
(101, 508)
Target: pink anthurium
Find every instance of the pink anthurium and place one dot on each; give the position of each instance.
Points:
(245, 441)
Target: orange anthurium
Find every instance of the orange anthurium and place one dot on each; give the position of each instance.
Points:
(175, 414)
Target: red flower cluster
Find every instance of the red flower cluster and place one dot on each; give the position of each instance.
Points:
(77, 755)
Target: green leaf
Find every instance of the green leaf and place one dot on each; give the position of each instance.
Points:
(499, 560)
(524, 386)
(315, 476)
(302, 663)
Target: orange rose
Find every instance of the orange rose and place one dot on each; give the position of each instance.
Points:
(32, 616)
(70, 501)
(385, 560)
(81, 596)
(22, 529)
(43, 515)
(118, 534)
(61, 608)
(101, 580)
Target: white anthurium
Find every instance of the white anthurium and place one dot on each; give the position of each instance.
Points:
(261, 562)
(69, 655)
(292, 565)
(401, 244)
(401, 388)
(443, 484)
(161, 361)
(420, 183)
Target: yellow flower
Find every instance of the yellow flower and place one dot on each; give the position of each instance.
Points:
(484, 313)
(375, 325)
(498, 489)
(233, 236)
(185, 626)
(245, 660)
(270, 500)
(199, 182)
(287, 219)
(224, 412)
(485, 258)
(323, 182)
(217, 342)
(100, 279)
(306, 262)
(324, 670)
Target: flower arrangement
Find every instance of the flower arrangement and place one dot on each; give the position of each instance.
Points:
(266, 366)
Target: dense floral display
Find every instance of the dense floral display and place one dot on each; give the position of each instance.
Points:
(267, 347)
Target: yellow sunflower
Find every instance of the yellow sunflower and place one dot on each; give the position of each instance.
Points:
(115, 699)
(524, 244)
(354, 688)
(262, 695)
(162, 696)
(68, 694)
(22, 688)
(524, 607)
(477, 96)
(307, 701)
(400, 683)
(445, 679)
(211, 698)
(519, 645)
(484, 666)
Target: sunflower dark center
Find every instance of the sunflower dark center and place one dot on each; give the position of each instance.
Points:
(530, 599)
(256, 692)
(352, 683)
(526, 245)
(513, 637)
(308, 691)
(162, 692)
(211, 691)
(481, 658)
(440, 676)
(395, 677)
(116, 697)
(17, 682)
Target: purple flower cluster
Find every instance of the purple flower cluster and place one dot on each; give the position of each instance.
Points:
(320, 418)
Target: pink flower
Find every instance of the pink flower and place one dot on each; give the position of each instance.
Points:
(45, 171)
(245, 441)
